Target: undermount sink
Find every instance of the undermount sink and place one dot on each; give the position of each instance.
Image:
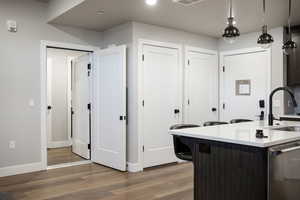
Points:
(288, 128)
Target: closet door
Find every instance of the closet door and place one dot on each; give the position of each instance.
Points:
(80, 109)
(201, 86)
(162, 103)
(109, 108)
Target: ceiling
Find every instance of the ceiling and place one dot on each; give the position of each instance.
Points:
(207, 17)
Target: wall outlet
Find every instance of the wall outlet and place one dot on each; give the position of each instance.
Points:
(12, 144)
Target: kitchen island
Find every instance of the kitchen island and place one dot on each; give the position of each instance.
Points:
(231, 163)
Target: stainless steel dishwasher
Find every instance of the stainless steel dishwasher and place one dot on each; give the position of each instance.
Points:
(284, 172)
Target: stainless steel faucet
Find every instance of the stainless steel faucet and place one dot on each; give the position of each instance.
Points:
(288, 90)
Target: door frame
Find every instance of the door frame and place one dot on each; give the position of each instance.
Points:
(43, 81)
(186, 65)
(222, 56)
(140, 68)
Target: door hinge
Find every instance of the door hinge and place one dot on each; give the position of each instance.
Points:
(89, 106)
(189, 62)
(143, 148)
(89, 146)
(188, 102)
(223, 68)
(89, 67)
(143, 103)
(224, 106)
(143, 57)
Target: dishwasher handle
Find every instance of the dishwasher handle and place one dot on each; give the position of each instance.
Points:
(277, 152)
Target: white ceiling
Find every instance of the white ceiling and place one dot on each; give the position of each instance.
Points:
(207, 17)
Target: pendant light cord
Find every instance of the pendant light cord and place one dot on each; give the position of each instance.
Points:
(289, 19)
(264, 11)
(230, 10)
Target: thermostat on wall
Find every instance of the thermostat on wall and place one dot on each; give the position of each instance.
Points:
(11, 26)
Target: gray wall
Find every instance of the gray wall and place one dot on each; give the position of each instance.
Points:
(278, 66)
(20, 76)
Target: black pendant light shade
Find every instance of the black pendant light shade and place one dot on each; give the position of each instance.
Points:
(265, 40)
(289, 46)
(231, 32)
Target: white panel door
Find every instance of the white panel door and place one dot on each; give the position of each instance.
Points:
(80, 101)
(109, 108)
(162, 97)
(245, 82)
(201, 86)
(49, 101)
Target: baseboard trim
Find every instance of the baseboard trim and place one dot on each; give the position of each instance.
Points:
(21, 169)
(59, 144)
(134, 167)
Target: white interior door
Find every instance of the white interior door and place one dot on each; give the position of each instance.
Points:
(201, 86)
(49, 101)
(162, 103)
(80, 101)
(109, 108)
(246, 81)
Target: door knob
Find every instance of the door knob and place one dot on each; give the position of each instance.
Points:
(49, 107)
(176, 111)
(213, 109)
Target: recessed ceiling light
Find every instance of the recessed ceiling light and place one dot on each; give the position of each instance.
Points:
(151, 2)
(100, 12)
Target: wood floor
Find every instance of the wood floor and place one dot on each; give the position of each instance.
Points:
(95, 182)
(62, 155)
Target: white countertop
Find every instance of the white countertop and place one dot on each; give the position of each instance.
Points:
(243, 133)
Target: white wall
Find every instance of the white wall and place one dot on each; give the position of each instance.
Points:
(278, 67)
(20, 76)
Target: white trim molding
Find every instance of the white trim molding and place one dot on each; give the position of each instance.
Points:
(134, 167)
(21, 169)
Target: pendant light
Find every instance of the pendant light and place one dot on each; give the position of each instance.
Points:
(231, 32)
(265, 40)
(290, 45)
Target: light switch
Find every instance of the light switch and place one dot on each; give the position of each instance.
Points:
(31, 103)
(12, 144)
(11, 26)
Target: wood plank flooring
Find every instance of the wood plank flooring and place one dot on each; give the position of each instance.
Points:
(62, 155)
(95, 182)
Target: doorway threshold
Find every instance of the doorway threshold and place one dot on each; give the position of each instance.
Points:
(69, 164)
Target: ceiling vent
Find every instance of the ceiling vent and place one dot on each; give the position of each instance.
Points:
(187, 2)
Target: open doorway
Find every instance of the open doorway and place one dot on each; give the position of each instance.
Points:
(68, 111)
(97, 89)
